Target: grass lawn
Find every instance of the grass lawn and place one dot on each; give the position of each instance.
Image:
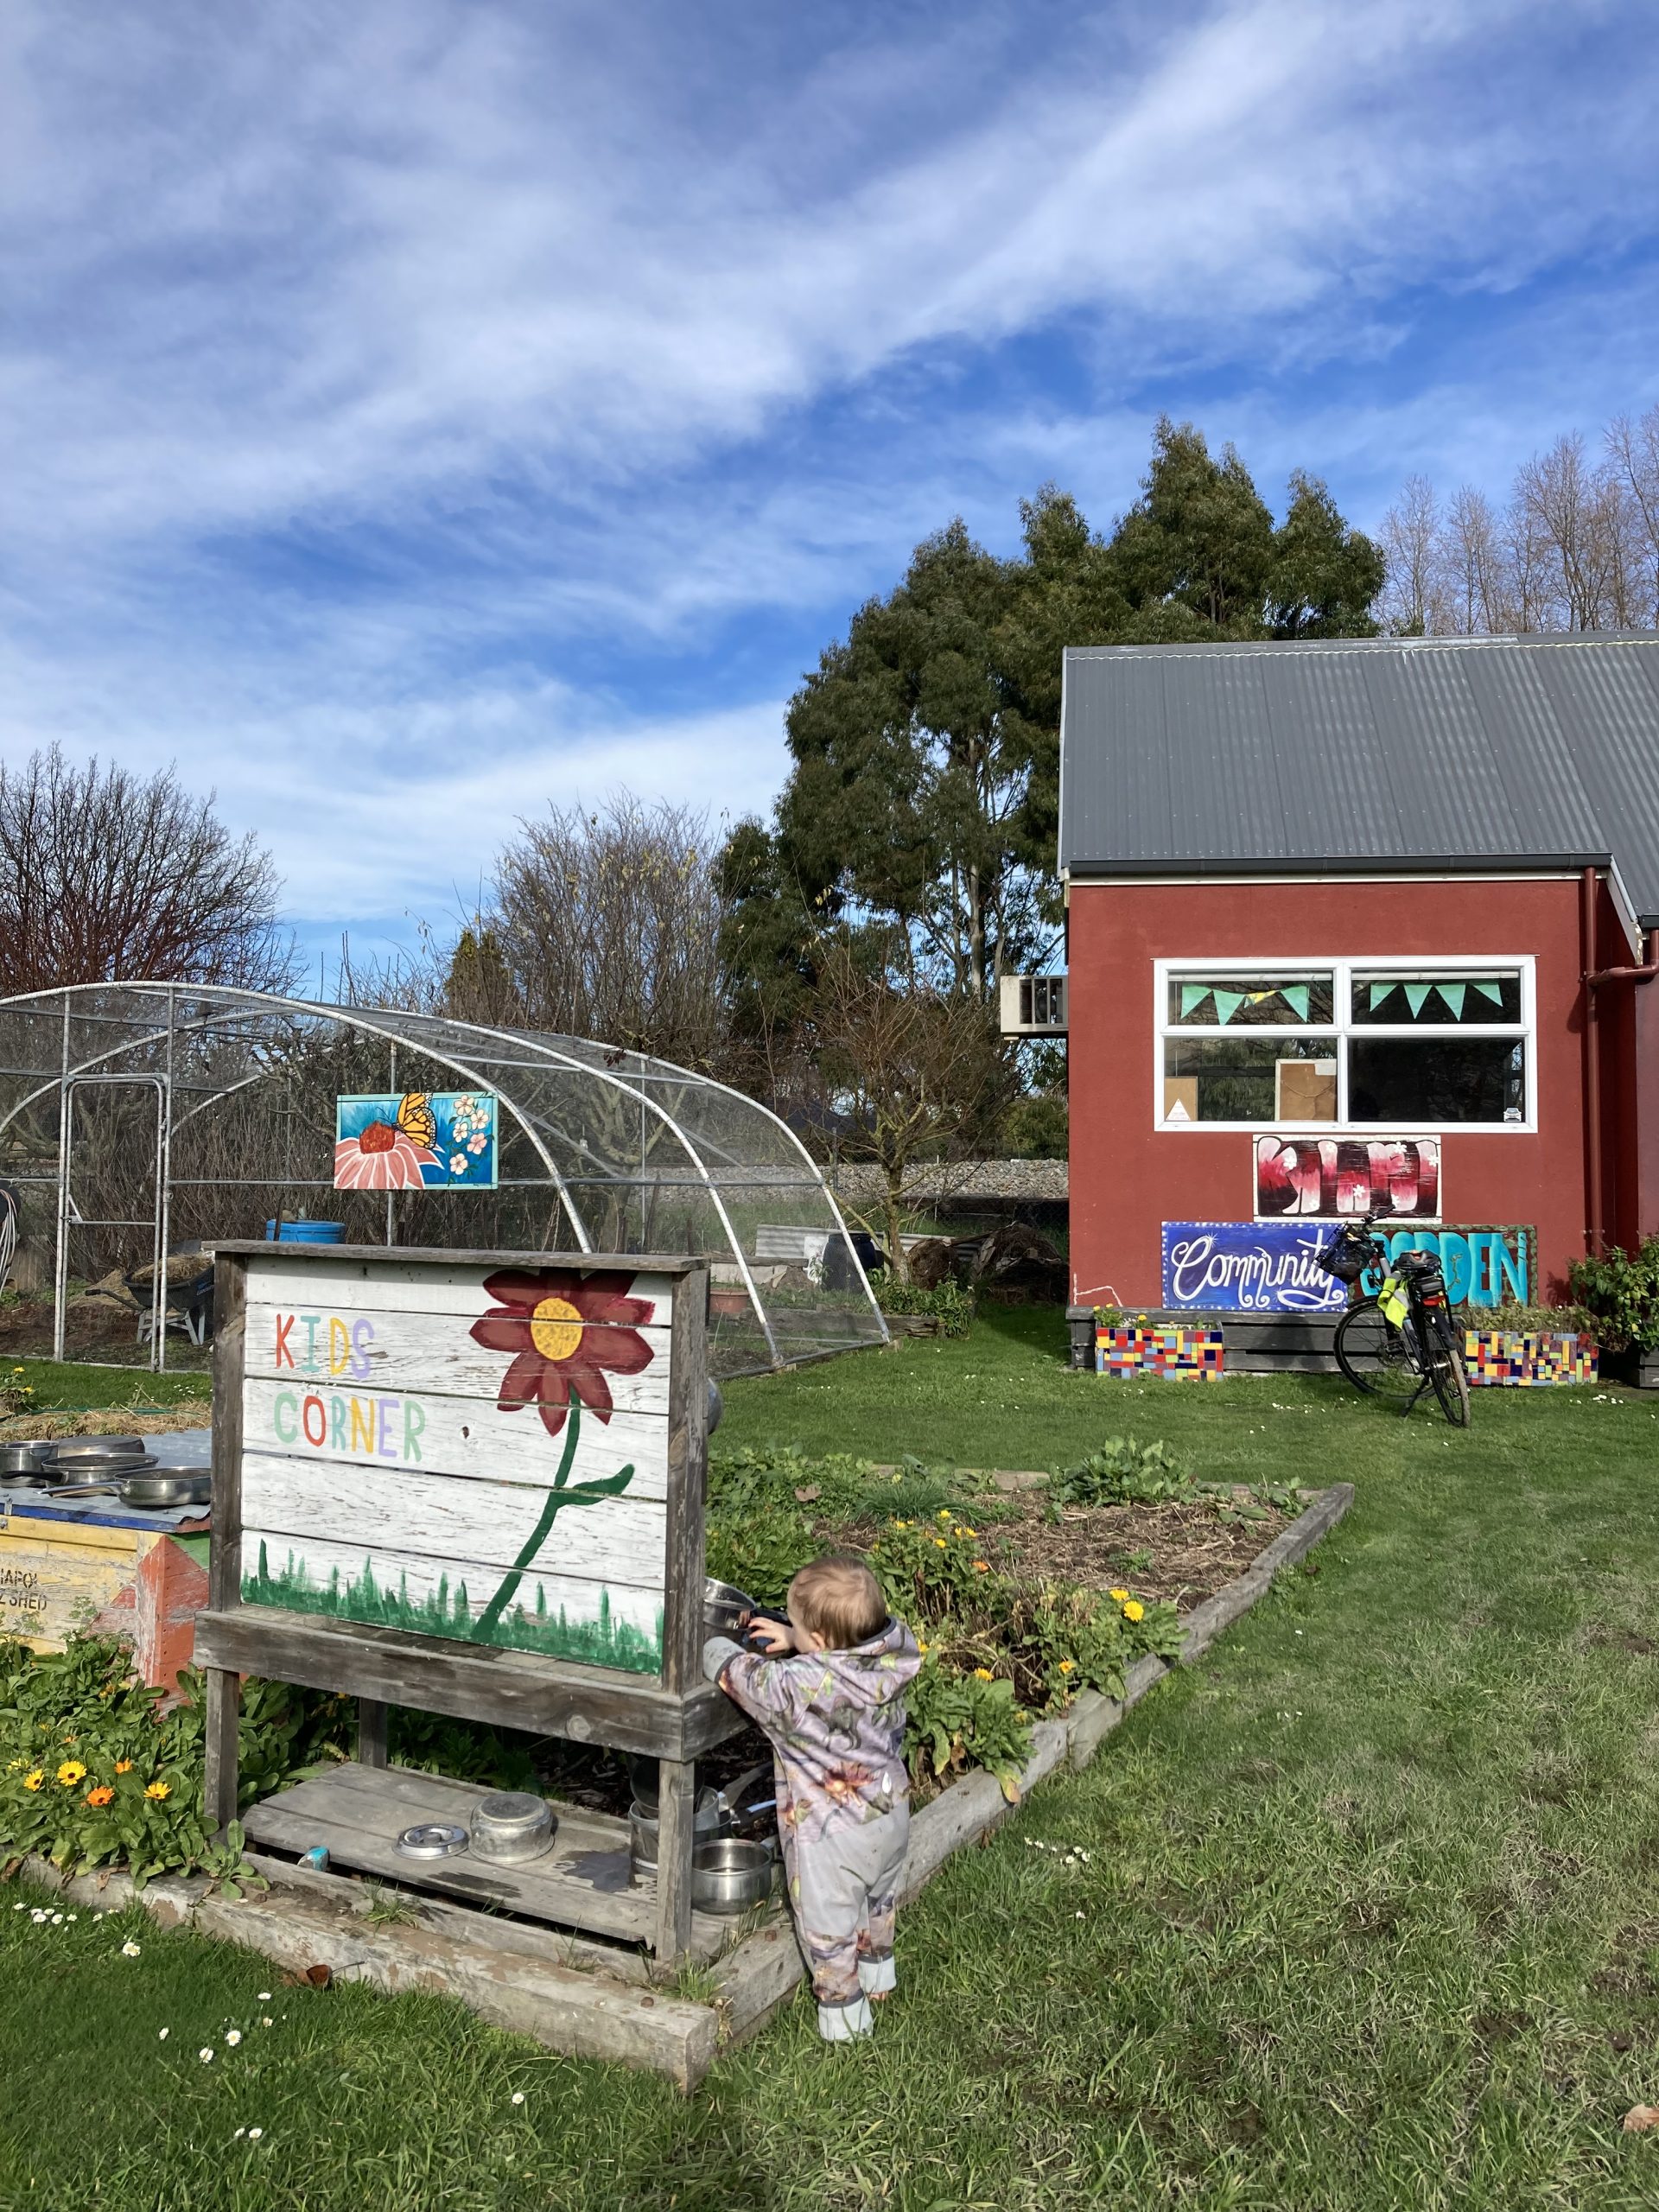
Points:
(72, 1387)
(1369, 1917)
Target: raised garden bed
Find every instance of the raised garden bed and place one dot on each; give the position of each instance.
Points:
(577, 1997)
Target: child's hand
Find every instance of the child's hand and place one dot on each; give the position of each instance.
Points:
(772, 1637)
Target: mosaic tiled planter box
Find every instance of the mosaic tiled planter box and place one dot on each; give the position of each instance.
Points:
(1535, 1360)
(1176, 1352)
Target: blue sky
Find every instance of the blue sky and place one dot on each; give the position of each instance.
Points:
(413, 412)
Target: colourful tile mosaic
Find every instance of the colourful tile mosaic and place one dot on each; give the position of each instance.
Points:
(1176, 1352)
(1534, 1360)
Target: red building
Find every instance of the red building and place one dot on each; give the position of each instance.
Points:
(1355, 922)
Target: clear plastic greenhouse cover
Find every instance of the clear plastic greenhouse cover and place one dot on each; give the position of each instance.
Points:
(142, 1122)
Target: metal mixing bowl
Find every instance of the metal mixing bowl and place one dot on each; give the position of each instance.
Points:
(730, 1875)
(727, 1610)
(511, 1826)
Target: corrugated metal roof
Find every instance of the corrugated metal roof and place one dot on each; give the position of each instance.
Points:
(1402, 750)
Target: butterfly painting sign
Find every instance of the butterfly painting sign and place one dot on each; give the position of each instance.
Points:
(417, 1140)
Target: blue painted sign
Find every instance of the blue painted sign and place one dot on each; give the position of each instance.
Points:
(1272, 1267)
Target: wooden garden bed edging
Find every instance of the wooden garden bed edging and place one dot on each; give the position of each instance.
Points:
(586, 2001)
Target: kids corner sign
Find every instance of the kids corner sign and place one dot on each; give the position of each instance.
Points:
(1268, 1266)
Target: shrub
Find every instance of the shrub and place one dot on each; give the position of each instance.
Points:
(17, 1397)
(957, 1719)
(1621, 1291)
(950, 1300)
(1123, 1472)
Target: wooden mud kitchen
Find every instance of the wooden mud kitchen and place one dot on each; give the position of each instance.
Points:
(470, 1483)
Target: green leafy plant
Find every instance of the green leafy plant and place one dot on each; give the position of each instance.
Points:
(957, 1719)
(96, 1769)
(17, 1396)
(951, 1303)
(1122, 1472)
(761, 1550)
(1620, 1290)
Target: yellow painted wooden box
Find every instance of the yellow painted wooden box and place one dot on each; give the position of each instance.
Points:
(58, 1575)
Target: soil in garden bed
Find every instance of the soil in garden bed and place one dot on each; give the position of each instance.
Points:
(1182, 1552)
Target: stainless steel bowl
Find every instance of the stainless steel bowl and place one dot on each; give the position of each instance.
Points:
(432, 1839)
(727, 1609)
(98, 1447)
(511, 1826)
(645, 1828)
(20, 1459)
(730, 1875)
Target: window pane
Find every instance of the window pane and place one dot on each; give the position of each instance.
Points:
(1413, 1080)
(1430, 1001)
(1199, 1001)
(1250, 1079)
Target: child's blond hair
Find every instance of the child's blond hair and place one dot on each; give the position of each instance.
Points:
(838, 1599)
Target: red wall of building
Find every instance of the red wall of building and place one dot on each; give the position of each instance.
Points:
(1128, 1176)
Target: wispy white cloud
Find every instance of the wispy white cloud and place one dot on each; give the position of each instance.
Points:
(396, 392)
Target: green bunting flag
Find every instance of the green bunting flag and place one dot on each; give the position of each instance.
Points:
(1379, 992)
(1295, 997)
(1453, 995)
(1487, 990)
(1416, 994)
(1193, 994)
(1227, 1005)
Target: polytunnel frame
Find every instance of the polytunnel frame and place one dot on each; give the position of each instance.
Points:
(394, 1027)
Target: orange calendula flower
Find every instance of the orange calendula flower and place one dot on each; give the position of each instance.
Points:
(982, 1566)
(158, 1791)
(100, 1797)
(71, 1772)
(124, 1766)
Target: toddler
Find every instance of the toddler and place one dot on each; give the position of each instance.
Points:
(835, 1711)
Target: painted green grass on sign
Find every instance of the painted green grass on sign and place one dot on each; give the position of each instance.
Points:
(448, 1612)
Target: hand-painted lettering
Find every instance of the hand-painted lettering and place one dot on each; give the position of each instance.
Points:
(362, 1424)
(340, 1346)
(284, 1416)
(388, 1446)
(310, 1321)
(337, 1423)
(413, 1422)
(310, 1405)
(362, 1338)
(284, 1323)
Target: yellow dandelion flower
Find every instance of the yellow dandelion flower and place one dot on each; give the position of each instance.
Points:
(1066, 1666)
(966, 1531)
(944, 1513)
(1135, 1611)
(982, 1674)
(35, 1780)
(71, 1772)
(158, 1791)
(940, 1542)
(1117, 1596)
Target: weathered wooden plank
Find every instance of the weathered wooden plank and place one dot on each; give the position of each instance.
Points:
(502, 1688)
(370, 1349)
(373, 1719)
(621, 1540)
(403, 1282)
(229, 1312)
(602, 1624)
(1275, 1363)
(688, 1483)
(391, 1798)
(1206, 1622)
(448, 1436)
(676, 1790)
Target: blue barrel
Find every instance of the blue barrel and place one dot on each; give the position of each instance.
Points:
(306, 1232)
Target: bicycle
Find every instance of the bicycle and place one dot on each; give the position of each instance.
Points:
(1403, 1341)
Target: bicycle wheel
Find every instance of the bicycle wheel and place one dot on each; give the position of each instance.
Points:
(1451, 1383)
(1372, 1354)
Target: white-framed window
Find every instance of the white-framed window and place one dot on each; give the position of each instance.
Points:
(1439, 1044)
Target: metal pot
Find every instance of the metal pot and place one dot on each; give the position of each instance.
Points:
(511, 1827)
(20, 1459)
(730, 1875)
(645, 1828)
(157, 1492)
(95, 1447)
(727, 1610)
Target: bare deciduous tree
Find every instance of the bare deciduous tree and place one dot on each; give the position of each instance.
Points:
(1633, 455)
(608, 925)
(104, 876)
(914, 1077)
(1413, 544)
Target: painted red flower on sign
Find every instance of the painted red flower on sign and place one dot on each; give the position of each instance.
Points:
(565, 1330)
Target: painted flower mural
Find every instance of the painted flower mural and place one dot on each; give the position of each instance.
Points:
(382, 1157)
(565, 1331)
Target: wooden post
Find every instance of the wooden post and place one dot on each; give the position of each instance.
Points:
(224, 1556)
(688, 1458)
(676, 1815)
(222, 1781)
(372, 1717)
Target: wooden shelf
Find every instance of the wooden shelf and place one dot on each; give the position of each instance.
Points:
(582, 1884)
